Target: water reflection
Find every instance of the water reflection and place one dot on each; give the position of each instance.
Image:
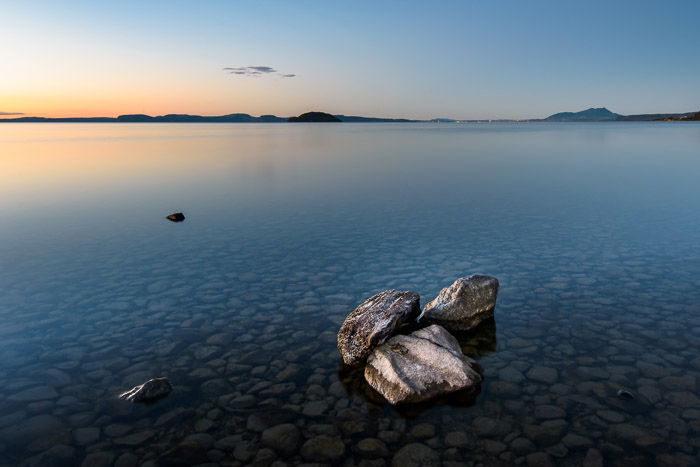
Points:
(592, 236)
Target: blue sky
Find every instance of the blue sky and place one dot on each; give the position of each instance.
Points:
(463, 59)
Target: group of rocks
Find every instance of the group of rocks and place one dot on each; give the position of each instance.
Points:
(428, 362)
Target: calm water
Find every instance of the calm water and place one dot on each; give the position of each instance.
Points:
(592, 229)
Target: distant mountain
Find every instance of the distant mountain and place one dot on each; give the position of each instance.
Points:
(309, 117)
(142, 118)
(185, 118)
(600, 114)
(604, 115)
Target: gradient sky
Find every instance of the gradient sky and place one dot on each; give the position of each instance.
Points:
(461, 59)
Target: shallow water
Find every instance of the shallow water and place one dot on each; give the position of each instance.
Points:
(592, 229)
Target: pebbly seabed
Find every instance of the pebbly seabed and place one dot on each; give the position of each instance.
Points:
(599, 292)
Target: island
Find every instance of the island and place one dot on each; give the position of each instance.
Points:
(312, 117)
(601, 114)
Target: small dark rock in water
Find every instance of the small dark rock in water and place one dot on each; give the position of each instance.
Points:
(176, 217)
(149, 391)
(375, 321)
(624, 394)
(464, 304)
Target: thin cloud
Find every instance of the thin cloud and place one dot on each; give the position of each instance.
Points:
(11, 113)
(256, 71)
(263, 69)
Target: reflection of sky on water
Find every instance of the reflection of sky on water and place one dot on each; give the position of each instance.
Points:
(591, 229)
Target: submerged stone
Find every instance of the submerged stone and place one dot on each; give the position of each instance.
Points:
(415, 455)
(149, 391)
(425, 364)
(375, 321)
(624, 394)
(464, 304)
(323, 449)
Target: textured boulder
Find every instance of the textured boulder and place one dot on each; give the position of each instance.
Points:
(464, 304)
(149, 391)
(420, 366)
(375, 321)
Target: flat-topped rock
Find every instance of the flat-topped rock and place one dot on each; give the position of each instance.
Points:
(425, 364)
(462, 305)
(375, 321)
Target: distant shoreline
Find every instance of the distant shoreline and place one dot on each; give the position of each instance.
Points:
(456, 122)
(599, 115)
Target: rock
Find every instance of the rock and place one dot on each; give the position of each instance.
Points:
(38, 393)
(489, 427)
(510, 374)
(626, 432)
(611, 416)
(539, 459)
(593, 458)
(228, 443)
(264, 458)
(184, 454)
(543, 374)
(427, 363)
(683, 399)
(126, 460)
(375, 321)
(423, 430)
(135, 439)
(493, 447)
(544, 412)
(284, 439)
(149, 391)
(624, 394)
(457, 439)
(416, 455)
(372, 448)
(522, 446)
(176, 217)
(117, 429)
(325, 449)
(464, 304)
(83, 436)
(99, 459)
(315, 408)
(175, 416)
(547, 433)
(200, 439)
(45, 429)
(574, 441)
(59, 455)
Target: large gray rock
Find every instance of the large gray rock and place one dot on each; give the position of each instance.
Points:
(375, 321)
(427, 363)
(464, 304)
(149, 391)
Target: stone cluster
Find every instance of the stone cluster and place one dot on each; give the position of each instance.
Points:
(428, 362)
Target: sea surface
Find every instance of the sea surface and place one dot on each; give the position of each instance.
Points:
(593, 230)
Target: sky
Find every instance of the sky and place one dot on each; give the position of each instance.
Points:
(455, 59)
